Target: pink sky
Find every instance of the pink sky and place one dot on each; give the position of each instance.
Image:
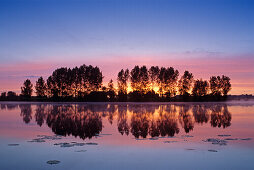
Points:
(240, 69)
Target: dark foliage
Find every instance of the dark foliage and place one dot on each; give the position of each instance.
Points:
(141, 84)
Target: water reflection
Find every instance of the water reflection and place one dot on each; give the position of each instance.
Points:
(141, 120)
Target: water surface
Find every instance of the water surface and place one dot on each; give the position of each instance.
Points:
(127, 135)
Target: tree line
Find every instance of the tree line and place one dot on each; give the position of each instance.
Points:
(85, 83)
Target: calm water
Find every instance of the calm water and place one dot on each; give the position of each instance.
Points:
(127, 136)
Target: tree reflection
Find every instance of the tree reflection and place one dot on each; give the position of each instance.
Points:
(186, 118)
(26, 112)
(168, 122)
(122, 123)
(220, 116)
(141, 120)
(200, 113)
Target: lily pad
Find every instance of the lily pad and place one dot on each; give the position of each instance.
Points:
(246, 139)
(38, 140)
(81, 151)
(105, 134)
(224, 135)
(170, 141)
(231, 139)
(67, 145)
(140, 139)
(190, 149)
(52, 162)
(154, 138)
(211, 150)
(13, 144)
(91, 143)
(216, 141)
(187, 136)
(79, 144)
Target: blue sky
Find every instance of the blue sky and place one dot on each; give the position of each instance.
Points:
(59, 31)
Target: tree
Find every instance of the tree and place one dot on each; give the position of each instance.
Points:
(139, 79)
(220, 85)
(122, 80)
(111, 85)
(93, 78)
(225, 85)
(167, 80)
(40, 87)
(3, 95)
(27, 89)
(185, 83)
(215, 85)
(200, 88)
(11, 94)
(111, 91)
(144, 79)
(154, 72)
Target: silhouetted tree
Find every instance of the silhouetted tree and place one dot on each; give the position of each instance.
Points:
(122, 80)
(167, 81)
(40, 87)
(200, 88)
(27, 89)
(225, 85)
(67, 82)
(11, 94)
(220, 85)
(139, 79)
(185, 83)
(52, 90)
(154, 72)
(3, 95)
(111, 91)
(215, 85)
(94, 78)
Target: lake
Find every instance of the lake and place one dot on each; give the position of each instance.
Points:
(126, 135)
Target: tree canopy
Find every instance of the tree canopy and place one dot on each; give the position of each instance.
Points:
(139, 84)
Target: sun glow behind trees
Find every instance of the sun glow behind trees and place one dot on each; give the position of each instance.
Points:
(139, 84)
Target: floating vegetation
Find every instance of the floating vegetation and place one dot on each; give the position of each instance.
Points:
(170, 141)
(190, 149)
(13, 144)
(167, 137)
(224, 135)
(246, 138)
(66, 144)
(187, 136)
(154, 138)
(38, 140)
(52, 162)
(211, 150)
(55, 137)
(231, 139)
(105, 134)
(43, 138)
(216, 141)
(90, 143)
(79, 144)
(81, 151)
(140, 139)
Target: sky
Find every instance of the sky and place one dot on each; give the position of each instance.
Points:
(206, 37)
